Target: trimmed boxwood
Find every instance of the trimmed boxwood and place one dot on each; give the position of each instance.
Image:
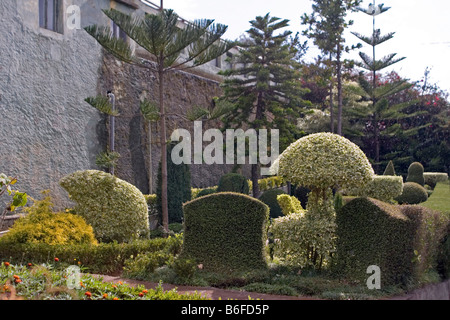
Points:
(401, 240)
(269, 197)
(384, 188)
(432, 178)
(413, 193)
(233, 182)
(415, 173)
(226, 232)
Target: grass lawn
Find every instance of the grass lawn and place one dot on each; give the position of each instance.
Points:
(440, 198)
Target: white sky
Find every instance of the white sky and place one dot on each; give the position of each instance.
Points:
(422, 28)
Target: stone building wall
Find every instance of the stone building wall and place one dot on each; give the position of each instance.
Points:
(47, 130)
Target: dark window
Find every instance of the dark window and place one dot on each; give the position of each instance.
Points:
(117, 32)
(50, 15)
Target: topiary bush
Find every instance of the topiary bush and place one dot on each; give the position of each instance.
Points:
(390, 170)
(233, 182)
(226, 232)
(290, 204)
(384, 188)
(116, 209)
(401, 240)
(413, 193)
(206, 191)
(178, 187)
(42, 225)
(432, 178)
(269, 197)
(415, 173)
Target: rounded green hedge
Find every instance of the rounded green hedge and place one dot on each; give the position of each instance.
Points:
(415, 173)
(226, 232)
(233, 182)
(116, 209)
(325, 160)
(413, 193)
(269, 197)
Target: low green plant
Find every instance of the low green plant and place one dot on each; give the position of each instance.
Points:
(183, 268)
(269, 197)
(413, 193)
(432, 178)
(289, 204)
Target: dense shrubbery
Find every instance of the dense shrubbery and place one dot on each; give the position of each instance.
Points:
(104, 258)
(116, 209)
(42, 225)
(413, 193)
(432, 178)
(233, 182)
(415, 173)
(225, 232)
(401, 240)
(178, 187)
(384, 188)
(269, 197)
(289, 204)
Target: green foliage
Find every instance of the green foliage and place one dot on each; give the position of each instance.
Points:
(206, 191)
(115, 209)
(46, 283)
(104, 258)
(19, 199)
(325, 160)
(144, 263)
(178, 187)
(270, 183)
(390, 170)
(401, 240)
(225, 232)
(269, 197)
(184, 268)
(233, 182)
(107, 159)
(42, 225)
(289, 204)
(304, 240)
(384, 188)
(413, 193)
(432, 178)
(415, 173)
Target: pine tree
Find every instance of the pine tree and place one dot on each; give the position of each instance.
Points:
(380, 116)
(265, 91)
(326, 26)
(160, 35)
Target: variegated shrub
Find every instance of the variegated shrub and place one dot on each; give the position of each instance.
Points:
(116, 209)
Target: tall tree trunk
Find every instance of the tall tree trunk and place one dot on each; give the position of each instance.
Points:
(339, 85)
(150, 160)
(255, 167)
(331, 97)
(165, 210)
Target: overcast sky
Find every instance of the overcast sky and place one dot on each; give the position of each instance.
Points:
(422, 28)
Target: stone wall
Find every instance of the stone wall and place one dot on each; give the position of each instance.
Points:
(47, 130)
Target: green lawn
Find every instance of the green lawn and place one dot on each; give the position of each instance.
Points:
(440, 198)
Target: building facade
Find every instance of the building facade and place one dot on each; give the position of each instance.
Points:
(49, 64)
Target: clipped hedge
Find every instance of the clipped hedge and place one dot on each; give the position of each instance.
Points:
(401, 240)
(413, 193)
(225, 232)
(432, 178)
(233, 182)
(269, 197)
(384, 188)
(415, 173)
(116, 209)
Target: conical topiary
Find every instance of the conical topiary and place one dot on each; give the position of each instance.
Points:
(390, 170)
(415, 173)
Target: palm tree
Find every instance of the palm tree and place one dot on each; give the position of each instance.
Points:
(161, 35)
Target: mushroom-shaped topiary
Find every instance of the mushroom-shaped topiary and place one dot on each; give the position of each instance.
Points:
(116, 209)
(415, 173)
(325, 160)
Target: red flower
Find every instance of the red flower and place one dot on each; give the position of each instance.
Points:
(88, 294)
(141, 294)
(6, 264)
(56, 259)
